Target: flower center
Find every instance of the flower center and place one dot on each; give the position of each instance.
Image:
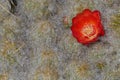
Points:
(88, 30)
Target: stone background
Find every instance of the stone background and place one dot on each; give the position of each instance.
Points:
(36, 43)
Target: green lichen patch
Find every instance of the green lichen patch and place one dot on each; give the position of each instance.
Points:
(8, 46)
(115, 23)
(37, 8)
(108, 3)
(42, 32)
(100, 65)
(69, 43)
(80, 5)
(4, 10)
(7, 51)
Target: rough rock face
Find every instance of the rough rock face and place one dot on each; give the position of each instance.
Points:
(36, 42)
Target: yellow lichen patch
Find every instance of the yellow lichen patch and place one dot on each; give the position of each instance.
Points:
(46, 73)
(8, 28)
(115, 24)
(83, 70)
(7, 50)
(49, 74)
(116, 73)
(113, 74)
(48, 58)
(47, 54)
(77, 71)
(44, 27)
(79, 8)
(47, 69)
(100, 65)
(37, 74)
(44, 31)
(8, 45)
(10, 25)
(4, 76)
(7, 42)
(80, 5)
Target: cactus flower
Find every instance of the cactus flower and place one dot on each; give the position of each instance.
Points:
(87, 27)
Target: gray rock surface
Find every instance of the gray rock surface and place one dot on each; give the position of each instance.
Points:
(36, 43)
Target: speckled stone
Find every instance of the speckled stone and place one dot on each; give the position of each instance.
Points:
(36, 42)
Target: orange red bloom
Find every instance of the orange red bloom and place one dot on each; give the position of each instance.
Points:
(87, 27)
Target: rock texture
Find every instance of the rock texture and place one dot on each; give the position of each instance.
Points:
(36, 41)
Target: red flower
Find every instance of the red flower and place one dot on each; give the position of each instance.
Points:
(86, 26)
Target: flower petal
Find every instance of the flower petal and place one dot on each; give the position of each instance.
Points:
(96, 14)
(87, 27)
